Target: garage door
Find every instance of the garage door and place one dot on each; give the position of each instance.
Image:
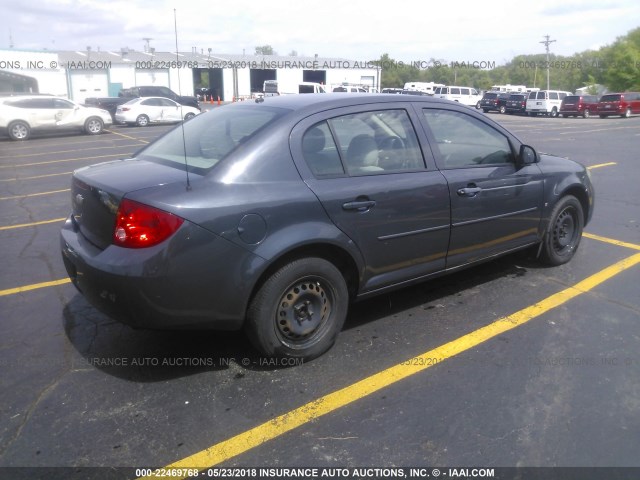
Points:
(89, 84)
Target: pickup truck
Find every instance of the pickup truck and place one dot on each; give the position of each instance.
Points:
(111, 104)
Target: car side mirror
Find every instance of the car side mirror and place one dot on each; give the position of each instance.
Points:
(527, 156)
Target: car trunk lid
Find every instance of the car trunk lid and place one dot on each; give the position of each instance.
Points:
(96, 192)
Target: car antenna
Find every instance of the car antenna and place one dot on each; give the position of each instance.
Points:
(184, 142)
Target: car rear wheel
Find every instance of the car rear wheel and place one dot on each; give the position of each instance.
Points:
(554, 112)
(142, 121)
(93, 126)
(627, 113)
(503, 109)
(19, 131)
(189, 116)
(299, 310)
(564, 232)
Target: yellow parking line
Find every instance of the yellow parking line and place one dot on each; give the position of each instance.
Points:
(278, 426)
(122, 155)
(35, 194)
(127, 136)
(18, 179)
(35, 286)
(600, 165)
(611, 241)
(49, 153)
(34, 224)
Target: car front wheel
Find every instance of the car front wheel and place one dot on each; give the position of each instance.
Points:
(586, 113)
(19, 131)
(93, 126)
(142, 121)
(564, 232)
(299, 310)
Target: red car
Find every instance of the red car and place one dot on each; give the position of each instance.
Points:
(623, 104)
(574, 105)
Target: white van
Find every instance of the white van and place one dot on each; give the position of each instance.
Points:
(546, 102)
(465, 95)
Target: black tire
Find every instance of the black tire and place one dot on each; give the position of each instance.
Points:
(586, 113)
(478, 106)
(93, 126)
(627, 113)
(19, 130)
(485, 110)
(502, 109)
(189, 116)
(564, 232)
(554, 112)
(299, 310)
(142, 121)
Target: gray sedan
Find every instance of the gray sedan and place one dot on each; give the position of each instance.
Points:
(272, 216)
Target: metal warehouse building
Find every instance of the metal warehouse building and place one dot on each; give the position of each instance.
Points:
(81, 74)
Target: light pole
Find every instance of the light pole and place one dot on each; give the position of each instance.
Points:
(546, 44)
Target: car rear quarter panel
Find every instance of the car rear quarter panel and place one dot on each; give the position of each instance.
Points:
(565, 177)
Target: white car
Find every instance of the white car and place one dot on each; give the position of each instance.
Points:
(146, 110)
(21, 115)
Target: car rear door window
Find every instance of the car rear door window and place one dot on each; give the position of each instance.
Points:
(464, 141)
(376, 142)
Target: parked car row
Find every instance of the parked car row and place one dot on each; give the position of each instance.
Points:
(24, 114)
(555, 103)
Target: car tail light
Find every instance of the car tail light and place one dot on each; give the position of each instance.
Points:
(125, 109)
(140, 226)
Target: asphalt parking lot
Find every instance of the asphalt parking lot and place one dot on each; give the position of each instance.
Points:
(507, 364)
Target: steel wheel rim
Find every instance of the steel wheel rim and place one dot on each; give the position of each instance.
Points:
(565, 231)
(303, 311)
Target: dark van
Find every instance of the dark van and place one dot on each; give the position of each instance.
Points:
(582, 105)
(623, 104)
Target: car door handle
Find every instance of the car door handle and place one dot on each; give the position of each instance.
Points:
(361, 206)
(469, 191)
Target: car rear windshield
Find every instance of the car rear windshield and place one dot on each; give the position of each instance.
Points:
(210, 137)
(490, 95)
(571, 99)
(610, 98)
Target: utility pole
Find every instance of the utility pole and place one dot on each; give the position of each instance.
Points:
(546, 44)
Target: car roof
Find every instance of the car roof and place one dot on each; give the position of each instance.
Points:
(323, 101)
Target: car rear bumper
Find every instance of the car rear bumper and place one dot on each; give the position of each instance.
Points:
(177, 284)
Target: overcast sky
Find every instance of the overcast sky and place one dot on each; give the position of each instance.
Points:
(356, 30)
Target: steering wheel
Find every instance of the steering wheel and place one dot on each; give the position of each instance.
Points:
(392, 143)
